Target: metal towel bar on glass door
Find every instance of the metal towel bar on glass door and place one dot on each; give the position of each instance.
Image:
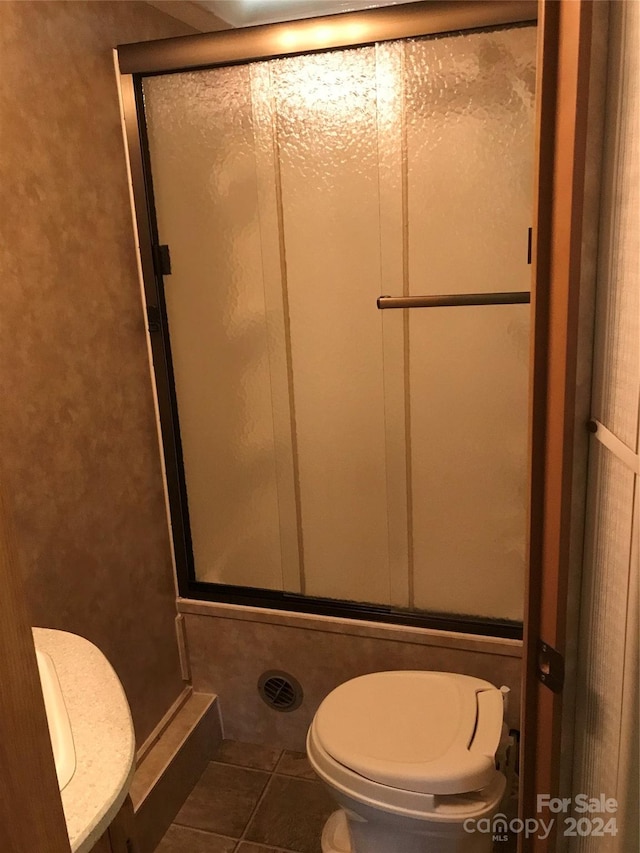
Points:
(512, 298)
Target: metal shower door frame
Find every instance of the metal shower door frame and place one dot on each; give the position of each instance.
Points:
(242, 46)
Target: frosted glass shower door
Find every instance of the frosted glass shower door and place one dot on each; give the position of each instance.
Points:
(217, 210)
(469, 107)
(266, 187)
(326, 128)
(330, 448)
(468, 385)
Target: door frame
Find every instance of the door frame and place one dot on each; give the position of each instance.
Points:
(242, 46)
(566, 98)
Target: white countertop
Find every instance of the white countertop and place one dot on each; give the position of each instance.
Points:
(102, 734)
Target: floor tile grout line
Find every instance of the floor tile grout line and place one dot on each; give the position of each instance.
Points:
(265, 847)
(274, 769)
(248, 767)
(300, 778)
(239, 840)
(203, 831)
(270, 774)
(255, 809)
(241, 766)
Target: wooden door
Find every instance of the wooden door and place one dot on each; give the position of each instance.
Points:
(31, 817)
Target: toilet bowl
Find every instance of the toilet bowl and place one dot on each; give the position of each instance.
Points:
(410, 757)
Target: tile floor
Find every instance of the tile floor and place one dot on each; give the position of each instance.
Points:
(254, 799)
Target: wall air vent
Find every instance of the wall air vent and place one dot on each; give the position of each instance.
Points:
(280, 691)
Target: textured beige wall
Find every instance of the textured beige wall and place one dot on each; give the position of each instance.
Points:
(78, 447)
(231, 646)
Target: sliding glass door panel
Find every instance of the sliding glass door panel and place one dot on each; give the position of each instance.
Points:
(269, 205)
(326, 130)
(469, 406)
(469, 132)
(332, 449)
(207, 189)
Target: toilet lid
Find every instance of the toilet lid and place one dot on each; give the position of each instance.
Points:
(428, 732)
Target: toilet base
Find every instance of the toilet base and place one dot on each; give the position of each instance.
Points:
(335, 835)
(336, 838)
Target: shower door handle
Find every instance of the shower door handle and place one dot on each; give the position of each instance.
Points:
(517, 297)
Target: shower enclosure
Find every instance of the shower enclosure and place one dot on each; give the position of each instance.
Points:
(335, 248)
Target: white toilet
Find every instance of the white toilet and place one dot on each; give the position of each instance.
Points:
(411, 759)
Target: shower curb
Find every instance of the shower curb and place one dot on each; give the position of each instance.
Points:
(172, 766)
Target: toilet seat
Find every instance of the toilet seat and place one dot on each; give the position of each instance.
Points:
(450, 809)
(409, 738)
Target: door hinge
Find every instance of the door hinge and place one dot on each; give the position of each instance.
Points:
(153, 318)
(162, 260)
(529, 244)
(550, 667)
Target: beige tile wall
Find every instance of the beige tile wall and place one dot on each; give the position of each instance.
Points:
(230, 647)
(79, 457)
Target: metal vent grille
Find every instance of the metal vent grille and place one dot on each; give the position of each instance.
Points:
(280, 691)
